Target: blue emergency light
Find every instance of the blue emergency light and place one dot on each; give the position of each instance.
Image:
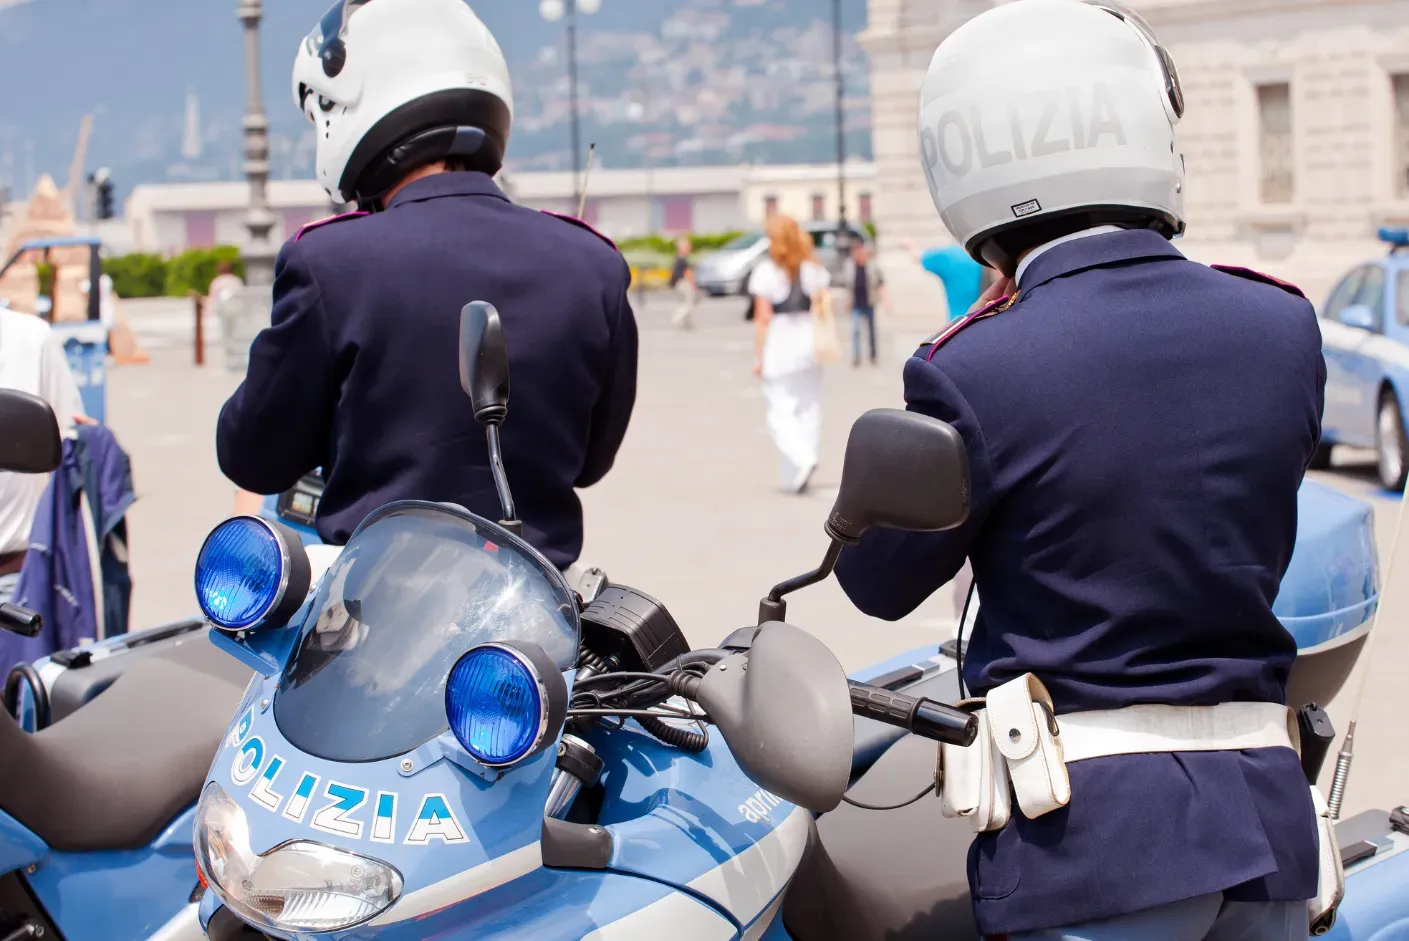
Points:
(1397, 237)
(249, 571)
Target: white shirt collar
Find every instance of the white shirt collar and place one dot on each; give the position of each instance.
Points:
(1032, 255)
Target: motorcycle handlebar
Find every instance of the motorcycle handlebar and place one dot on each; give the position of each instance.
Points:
(923, 717)
(20, 621)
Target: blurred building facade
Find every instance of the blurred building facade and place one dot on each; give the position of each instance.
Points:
(1296, 133)
(169, 217)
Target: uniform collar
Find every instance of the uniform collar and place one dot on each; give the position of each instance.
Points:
(447, 184)
(1095, 251)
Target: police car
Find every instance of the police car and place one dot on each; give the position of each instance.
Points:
(1365, 331)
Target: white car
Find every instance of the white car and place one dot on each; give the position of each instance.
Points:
(727, 271)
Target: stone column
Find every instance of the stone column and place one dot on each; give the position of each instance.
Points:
(245, 314)
(901, 37)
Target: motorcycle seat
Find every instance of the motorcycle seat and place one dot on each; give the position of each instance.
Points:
(115, 773)
(898, 875)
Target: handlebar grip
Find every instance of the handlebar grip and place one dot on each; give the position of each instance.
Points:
(20, 621)
(923, 717)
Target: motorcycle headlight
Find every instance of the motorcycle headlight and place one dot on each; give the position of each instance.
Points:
(297, 887)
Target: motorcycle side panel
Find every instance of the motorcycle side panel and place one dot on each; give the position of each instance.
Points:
(19, 846)
(129, 894)
(697, 822)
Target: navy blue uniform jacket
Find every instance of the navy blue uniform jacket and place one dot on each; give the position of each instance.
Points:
(359, 371)
(1138, 426)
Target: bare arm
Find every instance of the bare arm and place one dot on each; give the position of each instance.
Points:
(762, 314)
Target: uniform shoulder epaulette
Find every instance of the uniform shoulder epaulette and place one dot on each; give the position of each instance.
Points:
(328, 221)
(1249, 275)
(581, 225)
(937, 340)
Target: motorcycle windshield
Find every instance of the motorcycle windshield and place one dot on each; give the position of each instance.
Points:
(417, 586)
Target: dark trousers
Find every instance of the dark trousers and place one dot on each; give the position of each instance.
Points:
(858, 316)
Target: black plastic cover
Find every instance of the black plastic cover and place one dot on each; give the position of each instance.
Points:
(634, 628)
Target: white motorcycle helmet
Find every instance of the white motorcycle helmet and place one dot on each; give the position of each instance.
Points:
(392, 85)
(1039, 118)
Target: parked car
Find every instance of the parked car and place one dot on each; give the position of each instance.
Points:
(727, 271)
(1365, 331)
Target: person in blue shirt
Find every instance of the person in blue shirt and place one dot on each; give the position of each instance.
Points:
(962, 277)
(358, 372)
(1137, 427)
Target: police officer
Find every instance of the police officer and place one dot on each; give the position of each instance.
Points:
(358, 372)
(1138, 426)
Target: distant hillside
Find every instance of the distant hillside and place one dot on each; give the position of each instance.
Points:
(664, 81)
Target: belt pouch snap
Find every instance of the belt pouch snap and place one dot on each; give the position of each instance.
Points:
(1025, 733)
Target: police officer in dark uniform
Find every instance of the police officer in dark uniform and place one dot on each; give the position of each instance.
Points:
(358, 372)
(1138, 426)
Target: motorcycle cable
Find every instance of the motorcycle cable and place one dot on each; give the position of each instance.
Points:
(918, 797)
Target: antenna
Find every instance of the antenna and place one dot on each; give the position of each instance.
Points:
(586, 179)
(1347, 752)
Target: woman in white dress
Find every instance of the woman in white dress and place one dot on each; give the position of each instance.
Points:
(783, 287)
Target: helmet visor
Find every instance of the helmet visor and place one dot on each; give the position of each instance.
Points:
(332, 25)
(1172, 89)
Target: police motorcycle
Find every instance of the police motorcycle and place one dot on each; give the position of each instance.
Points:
(97, 803)
(680, 839)
(444, 741)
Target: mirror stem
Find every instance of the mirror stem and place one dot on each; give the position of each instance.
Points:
(501, 481)
(774, 608)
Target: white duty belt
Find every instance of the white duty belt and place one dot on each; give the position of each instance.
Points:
(1023, 749)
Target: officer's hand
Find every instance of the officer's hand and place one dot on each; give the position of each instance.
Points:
(1000, 288)
(83, 420)
(758, 368)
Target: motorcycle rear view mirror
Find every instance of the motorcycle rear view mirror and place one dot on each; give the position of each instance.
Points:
(484, 362)
(484, 375)
(784, 709)
(903, 470)
(31, 443)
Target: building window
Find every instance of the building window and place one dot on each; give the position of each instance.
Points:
(1401, 135)
(864, 208)
(1274, 112)
(819, 207)
(678, 214)
(200, 229)
(770, 205)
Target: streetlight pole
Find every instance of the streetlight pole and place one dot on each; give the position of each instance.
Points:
(843, 239)
(259, 253)
(552, 11)
(245, 314)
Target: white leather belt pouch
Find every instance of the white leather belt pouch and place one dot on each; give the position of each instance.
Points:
(973, 782)
(1025, 732)
(1330, 888)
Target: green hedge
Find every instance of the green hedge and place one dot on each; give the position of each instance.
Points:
(153, 276)
(665, 245)
(137, 275)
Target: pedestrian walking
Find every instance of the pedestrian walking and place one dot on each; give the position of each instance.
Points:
(863, 280)
(682, 281)
(785, 287)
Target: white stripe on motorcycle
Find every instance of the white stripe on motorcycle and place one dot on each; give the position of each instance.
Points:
(464, 885)
(750, 886)
(185, 926)
(677, 917)
(756, 877)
